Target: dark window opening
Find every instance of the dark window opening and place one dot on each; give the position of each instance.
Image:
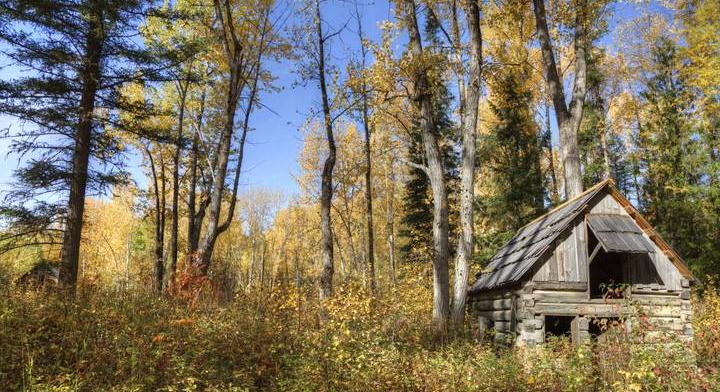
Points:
(612, 273)
(558, 325)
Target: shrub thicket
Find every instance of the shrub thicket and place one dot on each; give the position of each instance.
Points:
(280, 340)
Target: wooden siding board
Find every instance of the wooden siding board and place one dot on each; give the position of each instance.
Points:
(571, 257)
(543, 272)
(557, 286)
(560, 252)
(552, 265)
(581, 251)
(602, 309)
(667, 271)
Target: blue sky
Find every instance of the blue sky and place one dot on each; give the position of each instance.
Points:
(273, 146)
(271, 154)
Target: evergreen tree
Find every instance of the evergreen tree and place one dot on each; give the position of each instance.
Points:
(671, 157)
(511, 148)
(701, 35)
(71, 58)
(511, 152)
(416, 221)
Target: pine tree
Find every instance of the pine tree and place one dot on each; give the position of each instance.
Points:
(416, 221)
(70, 68)
(511, 152)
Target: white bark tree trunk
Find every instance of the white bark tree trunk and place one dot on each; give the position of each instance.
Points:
(467, 173)
(422, 100)
(568, 119)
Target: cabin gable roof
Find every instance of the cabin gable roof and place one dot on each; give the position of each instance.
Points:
(532, 242)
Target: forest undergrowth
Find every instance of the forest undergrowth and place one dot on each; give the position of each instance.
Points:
(280, 340)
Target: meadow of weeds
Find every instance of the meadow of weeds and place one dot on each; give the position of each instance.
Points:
(279, 340)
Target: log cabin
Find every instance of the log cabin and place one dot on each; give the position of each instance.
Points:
(590, 260)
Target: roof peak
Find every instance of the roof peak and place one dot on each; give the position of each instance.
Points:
(593, 188)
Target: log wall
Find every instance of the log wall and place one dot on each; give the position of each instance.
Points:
(666, 311)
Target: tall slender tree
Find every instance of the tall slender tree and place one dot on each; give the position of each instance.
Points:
(244, 43)
(159, 195)
(667, 145)
(364, 110)
(511, 153)
(326, 188)
(469, 125)
(421, 98)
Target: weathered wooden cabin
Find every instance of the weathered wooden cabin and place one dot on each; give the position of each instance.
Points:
(592, 258)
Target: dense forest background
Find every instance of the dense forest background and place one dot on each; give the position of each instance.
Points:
(434, 136)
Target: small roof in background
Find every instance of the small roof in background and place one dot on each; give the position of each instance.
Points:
(619, 233)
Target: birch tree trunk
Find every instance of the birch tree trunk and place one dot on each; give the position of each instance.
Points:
(568, 119)
(467, 171)
(174, 228)
(422, 100)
